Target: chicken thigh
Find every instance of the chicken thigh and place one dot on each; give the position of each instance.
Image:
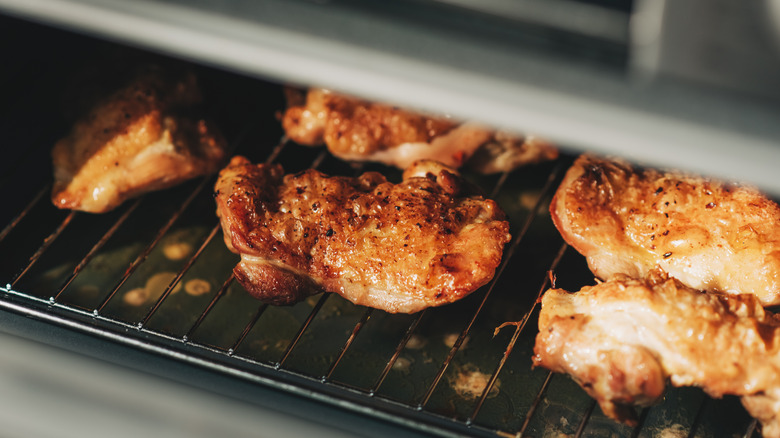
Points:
(622, 339)
(358, 130)
(396, 247)
(135, 141)
(711, 236)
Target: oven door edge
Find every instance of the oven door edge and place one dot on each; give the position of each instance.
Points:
(67, 383)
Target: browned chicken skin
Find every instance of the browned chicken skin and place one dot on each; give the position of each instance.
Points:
(350, 125)
(709, 235)
(621, 340)
(133, 142)
(396, 247)
(358, 130)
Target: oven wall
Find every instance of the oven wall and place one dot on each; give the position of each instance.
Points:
(568, 70)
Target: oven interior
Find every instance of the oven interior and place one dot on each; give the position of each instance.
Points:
(154, 277)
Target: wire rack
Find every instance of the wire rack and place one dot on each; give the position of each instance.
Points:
(155, 275)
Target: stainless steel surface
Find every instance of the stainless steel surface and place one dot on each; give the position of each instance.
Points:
(574, 89)
(727, 44)
(51, 392)
(443, 371)
(74, 274)
(283, 354)
(580, 18)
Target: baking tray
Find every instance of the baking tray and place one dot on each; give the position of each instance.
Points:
(154, 276)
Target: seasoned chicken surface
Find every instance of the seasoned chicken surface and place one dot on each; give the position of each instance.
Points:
(396, 247)
(135, 141)
(621, 340)
(357, 130)
(710, 235)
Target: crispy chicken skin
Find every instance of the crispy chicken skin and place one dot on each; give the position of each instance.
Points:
(396, 247)
(709, 235)
(135, 141)
(358, 130)
(621, 340)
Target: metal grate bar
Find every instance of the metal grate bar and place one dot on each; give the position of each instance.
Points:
(585, 419)
(283, 142)
(699, 416)
(519, 327)
(398, 349)
(751, 429)
(640, 423)
(95, 248)
(145, 253)
(15, 221)
(510, 252)
(280, 145)
(303, 328)
(212, 303)
(44, 246)
(181, 273)
(355, 331)
(535, 404)
(248, 328)
(316, 163)
(357, 167)
(413, 326)
(499, 184)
